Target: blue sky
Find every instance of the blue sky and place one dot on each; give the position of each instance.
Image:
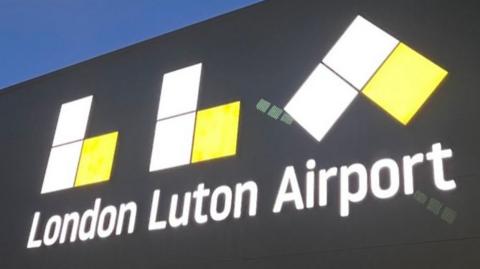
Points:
(38, 37)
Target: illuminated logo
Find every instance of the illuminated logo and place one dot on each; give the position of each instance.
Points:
(364, 60)
(75, 161)
(184, 135)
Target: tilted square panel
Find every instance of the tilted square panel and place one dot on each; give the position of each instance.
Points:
(404, 83)
(172, 145)
(96, 159)
(62, 167)
(179, 93)
(320, 101)
(359, 52)
(216, 132)
(72, 121)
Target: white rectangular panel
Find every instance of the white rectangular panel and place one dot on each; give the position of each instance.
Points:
(360, 51)
(72, 121)
(320, 101)
(179, 93)
(172, 145)
(62, 167)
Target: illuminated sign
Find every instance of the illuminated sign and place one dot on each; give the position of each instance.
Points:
(75, 161)
(163, 189)
(289, 190)
(369, 61)
(288, 134)
(183, 135)
(225, 202)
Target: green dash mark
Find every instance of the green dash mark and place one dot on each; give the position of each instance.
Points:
(448, 215)
(263, 105)
(275, 112)
(434, 206)
(286, 118)
(420, 197)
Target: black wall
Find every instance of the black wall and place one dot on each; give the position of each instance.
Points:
(264, 51)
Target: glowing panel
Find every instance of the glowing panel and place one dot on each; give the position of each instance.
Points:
(62, 167)
(96, 159)
(404, 83)
(216, 132)
(179, 91)
(360, 51)
(172, 145)
(320, 101)
(72, 122)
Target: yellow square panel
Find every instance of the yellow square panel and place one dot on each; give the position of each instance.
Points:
(404, 83)
(96, 159)
(216, 132)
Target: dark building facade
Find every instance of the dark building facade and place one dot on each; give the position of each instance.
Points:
(288, 134)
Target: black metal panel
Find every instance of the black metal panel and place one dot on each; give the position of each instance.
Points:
(264, 51)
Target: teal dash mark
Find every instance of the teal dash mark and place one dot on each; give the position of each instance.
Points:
(448, 215)
(286, 118)
(263, 105)
(275, 112)
(435, 206)
(420, 197)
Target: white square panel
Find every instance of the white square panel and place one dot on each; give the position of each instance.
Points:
(172, 145)
(179, 93)
(360, 51)
(320, 101)
(62, 167)
(72, 121)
